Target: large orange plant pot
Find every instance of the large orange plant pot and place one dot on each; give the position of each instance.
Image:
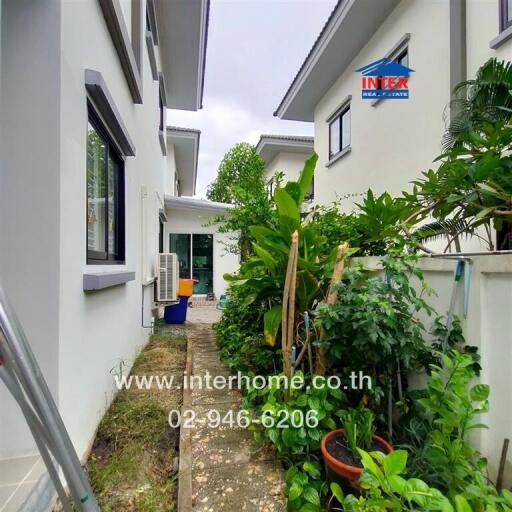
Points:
(350, 473)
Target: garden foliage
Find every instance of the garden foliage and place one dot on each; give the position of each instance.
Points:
(373, 322)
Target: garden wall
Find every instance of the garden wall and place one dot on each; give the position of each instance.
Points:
(488, 325)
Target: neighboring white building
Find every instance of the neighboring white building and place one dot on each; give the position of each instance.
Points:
(384, 145)
(192, 233)
(285, 154)
(86, 167)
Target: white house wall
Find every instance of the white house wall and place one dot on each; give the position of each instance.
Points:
(100, 329)
(184, 221)
(289, 163)
(482, 25)
(30, 190)
(386, 153)
(489, 327)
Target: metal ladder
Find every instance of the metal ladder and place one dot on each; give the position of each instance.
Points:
(24, 380)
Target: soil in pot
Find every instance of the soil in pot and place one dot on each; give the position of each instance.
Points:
(337, 447)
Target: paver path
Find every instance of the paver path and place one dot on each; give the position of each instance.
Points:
(223, 468)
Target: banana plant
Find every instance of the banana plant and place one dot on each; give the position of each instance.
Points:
(264, 274)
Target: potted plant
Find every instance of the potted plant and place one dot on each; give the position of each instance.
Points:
(339, 447)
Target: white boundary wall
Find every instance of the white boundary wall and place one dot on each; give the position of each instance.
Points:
(489, 327)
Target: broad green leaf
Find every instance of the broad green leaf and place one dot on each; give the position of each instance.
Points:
(480, 392)
(289, 436)
(272, 322)
(293, 188)
(266, 257)
(395, 463)
(370, 465)
(294, 491)
(461, 505)
(311, 494)
(286, 206)
(311, 468)
(337, 491)
(397, 484)
(309, 507)
(507, 495)
(484, 212)
(306, 176)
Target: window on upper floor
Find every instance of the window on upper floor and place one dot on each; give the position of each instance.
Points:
(505, 14)
(339, 132)
(105, 196)
(403, 57)
(162, 112)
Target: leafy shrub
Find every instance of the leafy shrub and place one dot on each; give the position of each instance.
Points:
(374, 225)
(280, 412)
(240, 335)
(305, 487)
(449, 410)
(373, 328)
(385, 488)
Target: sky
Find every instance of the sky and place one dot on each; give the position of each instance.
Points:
(255, 48)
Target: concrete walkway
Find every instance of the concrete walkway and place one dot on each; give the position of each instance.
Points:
(222, 468)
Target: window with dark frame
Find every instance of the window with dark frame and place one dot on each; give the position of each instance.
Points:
(402, 58)
(339, 132)
(505, 14)
(105, 197)
(161, 107)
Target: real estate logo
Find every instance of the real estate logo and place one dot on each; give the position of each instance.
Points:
(385, 78)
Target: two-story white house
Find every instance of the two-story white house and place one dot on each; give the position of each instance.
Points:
(384, 145)
(285, 154)
(87, 169)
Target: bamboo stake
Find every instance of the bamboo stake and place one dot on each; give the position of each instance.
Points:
(288, 315)
(332, 297)
(503, 460)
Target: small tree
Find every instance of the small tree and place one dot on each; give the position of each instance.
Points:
(240, 169)
(241, 181)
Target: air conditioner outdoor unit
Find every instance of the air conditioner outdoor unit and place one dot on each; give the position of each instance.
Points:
(168, 275)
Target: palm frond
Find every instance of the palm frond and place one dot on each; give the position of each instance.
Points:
(438, 229)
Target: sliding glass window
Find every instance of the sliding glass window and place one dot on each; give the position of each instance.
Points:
(105, 197)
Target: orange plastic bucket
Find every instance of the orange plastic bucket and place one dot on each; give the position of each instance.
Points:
(186, 287)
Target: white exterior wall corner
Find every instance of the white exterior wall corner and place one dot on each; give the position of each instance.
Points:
(394, 141)
(291, 164)
(100, 329)
(30, 191)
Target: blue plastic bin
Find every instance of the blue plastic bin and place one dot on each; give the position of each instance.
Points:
(177, 313)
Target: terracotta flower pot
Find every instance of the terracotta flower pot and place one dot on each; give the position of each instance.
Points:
(350, 473)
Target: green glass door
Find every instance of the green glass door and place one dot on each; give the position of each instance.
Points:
(195, 256)
(180, 244)
(202, 263)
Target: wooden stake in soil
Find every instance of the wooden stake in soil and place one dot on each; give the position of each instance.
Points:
(503, 460)
(288, 315)
(332, 297)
